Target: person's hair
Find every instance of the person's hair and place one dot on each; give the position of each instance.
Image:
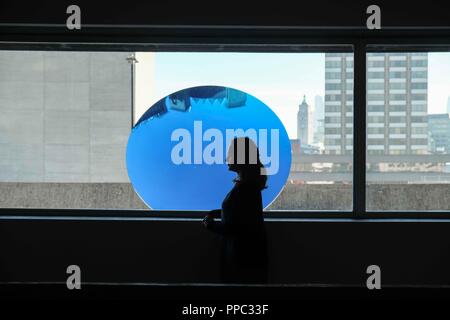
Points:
(251, 171)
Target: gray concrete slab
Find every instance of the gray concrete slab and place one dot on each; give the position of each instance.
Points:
(66, 66)
(111, 67)
(21, 95)
(66, 159)
(69, 195)
(110, 96)
(25, 66)
(22, 126)
(67, 127)
(67, 96)
(108, 163)
(293, 197)
(110, 127)
(64, 116)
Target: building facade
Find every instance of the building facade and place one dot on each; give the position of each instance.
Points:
(439, 133)
(65, 116)
(318, 117)
(304, 123)
(397, 120)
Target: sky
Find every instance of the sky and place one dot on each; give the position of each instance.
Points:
(438, 81)
(278, 79)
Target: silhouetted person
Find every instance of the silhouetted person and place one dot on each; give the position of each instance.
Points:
(244, 243)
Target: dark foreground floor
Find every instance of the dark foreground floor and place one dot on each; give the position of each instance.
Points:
(217, 293)
(169, 302)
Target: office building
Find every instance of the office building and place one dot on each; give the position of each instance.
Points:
(396, 103)
(439, 133)
(318, 121)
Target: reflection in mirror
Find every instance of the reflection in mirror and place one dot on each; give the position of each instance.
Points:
(176, 153)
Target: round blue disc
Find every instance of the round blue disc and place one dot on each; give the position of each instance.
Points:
(176, 153)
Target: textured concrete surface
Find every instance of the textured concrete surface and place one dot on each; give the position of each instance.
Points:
(379, 197)
(293, 197)
(408, 197)
(69, 195)
(65, 116)
(314, 197)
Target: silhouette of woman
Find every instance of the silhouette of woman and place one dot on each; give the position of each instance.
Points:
(244, 242)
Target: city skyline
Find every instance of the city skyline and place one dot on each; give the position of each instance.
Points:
(294, 75)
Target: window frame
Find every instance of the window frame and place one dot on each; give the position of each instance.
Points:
(239, 39)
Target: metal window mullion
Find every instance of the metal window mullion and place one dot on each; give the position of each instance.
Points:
(359, 129)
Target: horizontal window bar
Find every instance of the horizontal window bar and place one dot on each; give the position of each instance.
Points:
(143, 215)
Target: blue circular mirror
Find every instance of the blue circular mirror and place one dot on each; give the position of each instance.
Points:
(177, 152)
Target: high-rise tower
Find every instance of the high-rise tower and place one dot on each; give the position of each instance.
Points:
(396, 103)
(304, 122)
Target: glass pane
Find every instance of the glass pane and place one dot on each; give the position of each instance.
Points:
(66, 117)
(64, 122)
(312, 94)
(408, 130)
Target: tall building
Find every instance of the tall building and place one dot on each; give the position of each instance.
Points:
(396, 103)
(318, 121)
(304, 123)
(448, 105)
(338, 103)
(439, 133)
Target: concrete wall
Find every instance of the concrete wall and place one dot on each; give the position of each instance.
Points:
(293, 197)
(69, 195)
(65, 116)
(379, 197)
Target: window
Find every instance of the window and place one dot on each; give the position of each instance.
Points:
(333, 64)
(397, 85)
(419, 74)
(375, 97)
(396, 74)
(333, 75)
(395, 130)
(375, 75)
(409, 171)
(375, 86)
(311, 83)
(397, 63)
(66, 132)
(332, 86)
(333, 97)
(375, 108)
(66, 117)
(419, 85)
(376, 64)
(375, 130)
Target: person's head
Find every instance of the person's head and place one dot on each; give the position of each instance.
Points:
(243, 158)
